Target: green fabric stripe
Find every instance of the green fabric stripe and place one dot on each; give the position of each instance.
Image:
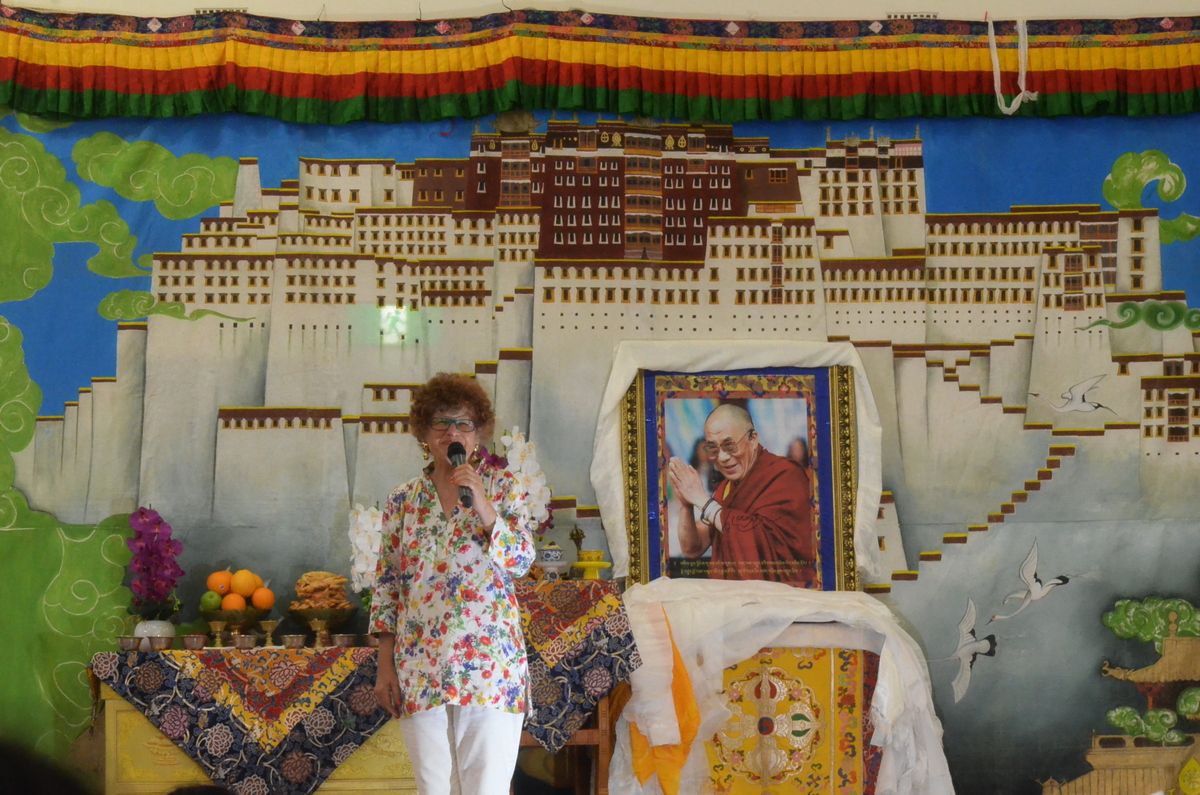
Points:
(109, 104)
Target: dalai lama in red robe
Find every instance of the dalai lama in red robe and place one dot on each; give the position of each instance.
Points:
(759, 521)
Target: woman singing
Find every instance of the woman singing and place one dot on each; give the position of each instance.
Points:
(452, 661)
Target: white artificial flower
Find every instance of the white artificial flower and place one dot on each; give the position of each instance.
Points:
(366, 535)
(361, 561)
(523, 464)
(516, 459)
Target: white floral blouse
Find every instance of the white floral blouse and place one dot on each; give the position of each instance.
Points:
(445, 590)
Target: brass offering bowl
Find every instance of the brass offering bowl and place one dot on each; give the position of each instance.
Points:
(344, 641)
(128, 643)
(195, 642)
(293, 641)
(160, 643)
(245, 642)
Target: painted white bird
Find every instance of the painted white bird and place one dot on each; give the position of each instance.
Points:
(1076, 398)
(1034, 589)
(969, 647)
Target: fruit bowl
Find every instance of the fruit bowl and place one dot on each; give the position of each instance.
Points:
(333, 617)
(243, 620)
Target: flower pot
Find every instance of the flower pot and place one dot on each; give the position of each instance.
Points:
(152, 629)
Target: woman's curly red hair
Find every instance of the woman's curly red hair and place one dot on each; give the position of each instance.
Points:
(446, 392)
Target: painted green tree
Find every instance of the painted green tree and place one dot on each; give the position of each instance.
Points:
(1152, 619)
(64, 597)
(135, 304)
(1156, 725)
(40, 207)
(1133, 172)
(180, 187)
(63, 583)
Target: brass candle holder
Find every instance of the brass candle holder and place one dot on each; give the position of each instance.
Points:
(320, 629)
(268, 627)
(217, 628)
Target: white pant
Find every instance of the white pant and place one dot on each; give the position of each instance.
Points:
(463, 750)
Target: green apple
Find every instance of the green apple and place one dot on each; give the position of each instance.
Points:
(210, 601)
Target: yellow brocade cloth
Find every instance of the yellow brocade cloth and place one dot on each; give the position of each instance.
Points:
(798, 724)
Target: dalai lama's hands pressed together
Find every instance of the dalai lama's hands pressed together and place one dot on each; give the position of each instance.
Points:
(758, 522)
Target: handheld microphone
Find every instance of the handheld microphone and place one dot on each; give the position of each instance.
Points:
(458, 456)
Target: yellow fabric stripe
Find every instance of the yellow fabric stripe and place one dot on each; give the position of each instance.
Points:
(248, 51)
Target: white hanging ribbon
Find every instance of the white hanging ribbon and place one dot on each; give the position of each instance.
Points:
(1022, 62)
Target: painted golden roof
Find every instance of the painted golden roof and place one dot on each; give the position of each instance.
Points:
(1180, 662)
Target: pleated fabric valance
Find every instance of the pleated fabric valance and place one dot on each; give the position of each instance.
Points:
(93, 66)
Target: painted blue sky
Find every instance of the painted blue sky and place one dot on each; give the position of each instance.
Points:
(971, 165)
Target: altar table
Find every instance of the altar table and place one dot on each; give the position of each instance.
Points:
(290, 721)
(140, 760)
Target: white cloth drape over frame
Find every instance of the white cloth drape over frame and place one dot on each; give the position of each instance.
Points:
(691, 356)
(717, 623)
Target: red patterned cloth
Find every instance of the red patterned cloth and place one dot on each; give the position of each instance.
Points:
(558, 615)
(270, 690)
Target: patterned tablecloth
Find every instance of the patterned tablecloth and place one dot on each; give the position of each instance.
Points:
(580, 647)
(257, 722)
(280, 721)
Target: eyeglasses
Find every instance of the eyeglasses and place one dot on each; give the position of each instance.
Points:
(444, 423)
(729, 446)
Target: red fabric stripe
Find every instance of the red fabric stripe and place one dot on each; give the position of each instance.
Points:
(554, 74)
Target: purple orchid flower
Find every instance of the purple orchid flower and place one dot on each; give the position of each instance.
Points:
(153, 566)
(490, 458)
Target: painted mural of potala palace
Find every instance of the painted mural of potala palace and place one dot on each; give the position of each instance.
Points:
(525, 261)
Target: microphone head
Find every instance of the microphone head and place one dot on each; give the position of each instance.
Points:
(457, 453)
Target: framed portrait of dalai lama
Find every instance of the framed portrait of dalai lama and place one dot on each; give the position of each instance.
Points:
(743, 475)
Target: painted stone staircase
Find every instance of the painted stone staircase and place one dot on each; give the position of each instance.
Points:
(957, 370)
(1054, 461)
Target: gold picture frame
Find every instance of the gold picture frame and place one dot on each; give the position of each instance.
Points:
(663, 412)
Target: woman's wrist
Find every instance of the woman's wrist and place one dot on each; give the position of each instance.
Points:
(484, 508)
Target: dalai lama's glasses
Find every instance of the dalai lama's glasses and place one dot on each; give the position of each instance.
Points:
(729, 446)
(443, 423)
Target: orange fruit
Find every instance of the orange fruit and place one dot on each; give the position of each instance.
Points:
(233, 601)
(259, 580)
(218, 582)
(244, 583)
(263, 598)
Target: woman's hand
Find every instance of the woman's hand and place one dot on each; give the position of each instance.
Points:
(465, 475)
(387, 684)
(689, 488)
